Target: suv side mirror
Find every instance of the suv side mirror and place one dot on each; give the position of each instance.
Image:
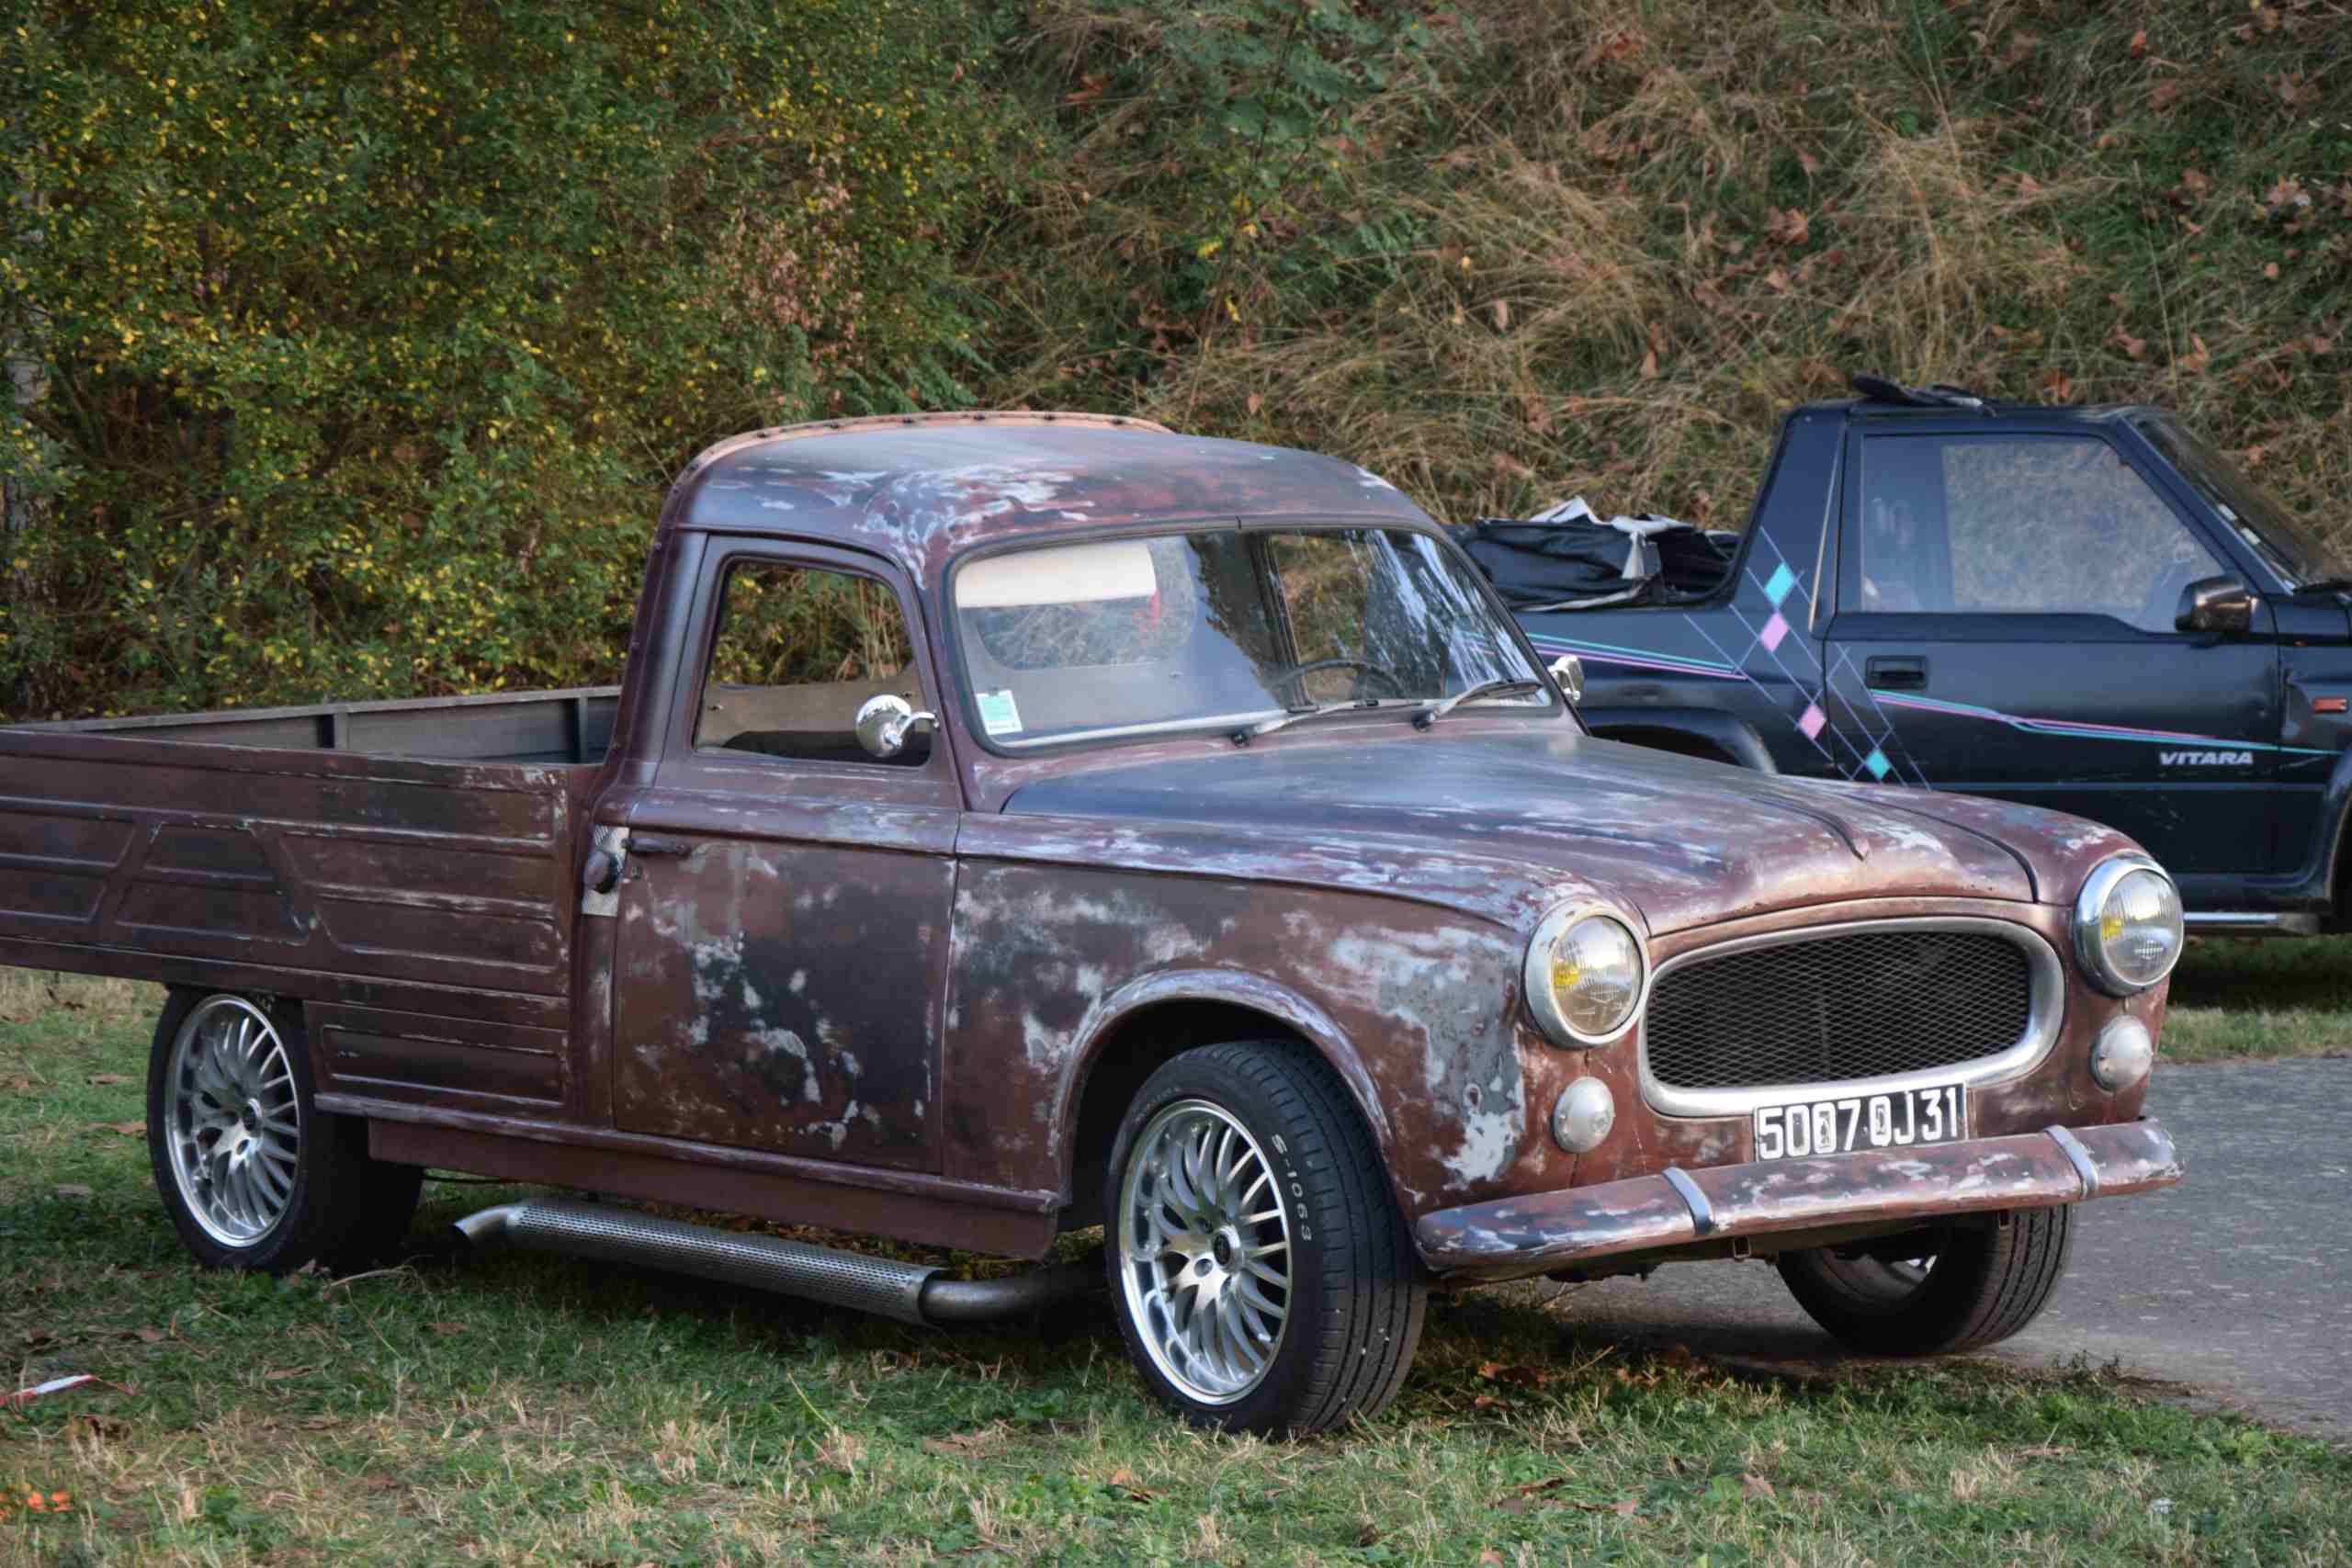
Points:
(2221, 605)
(1568, 672)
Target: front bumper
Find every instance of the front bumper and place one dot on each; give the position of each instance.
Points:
(1541, 1231)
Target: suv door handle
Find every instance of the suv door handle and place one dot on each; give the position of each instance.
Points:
(1896, 672)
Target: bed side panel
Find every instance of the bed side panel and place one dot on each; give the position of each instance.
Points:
(448, 885)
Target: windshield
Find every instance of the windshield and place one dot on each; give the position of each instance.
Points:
(2296, 555)
(1222, 630)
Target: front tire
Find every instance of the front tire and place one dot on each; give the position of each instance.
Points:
(251, 1173)
(1258, 1267)
(1963, 1288)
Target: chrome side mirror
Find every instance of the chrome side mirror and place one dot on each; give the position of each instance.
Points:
(1568, 672)
(885, 722)
(2223, 605)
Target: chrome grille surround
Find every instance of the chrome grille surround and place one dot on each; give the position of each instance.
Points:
(2045, 1006)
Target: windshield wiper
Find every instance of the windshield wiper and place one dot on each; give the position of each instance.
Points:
(1249, 732)
(1505, 685)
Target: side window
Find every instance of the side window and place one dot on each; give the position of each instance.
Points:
(799, 650)
(2050, 525)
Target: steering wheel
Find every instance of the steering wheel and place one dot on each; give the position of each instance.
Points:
(1362, 667)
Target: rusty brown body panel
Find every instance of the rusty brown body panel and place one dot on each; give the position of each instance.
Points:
(878, 997)
(2057, 1090)
(1786, 1199)
(438, 894)
(1050, 959)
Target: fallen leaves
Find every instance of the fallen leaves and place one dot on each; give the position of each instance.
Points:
(1788, 227)
(1122, 1480)
(106, 1080)
(974, 1444)
(71, 1190)
(1658, 343)
(1537, 1495)
(32, 1500)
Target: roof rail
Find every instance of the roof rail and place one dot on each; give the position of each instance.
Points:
(1935, 395)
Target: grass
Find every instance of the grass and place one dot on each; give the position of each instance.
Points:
(2234, 997)
(511, 1408)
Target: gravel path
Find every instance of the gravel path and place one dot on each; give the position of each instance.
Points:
(2237, 1282)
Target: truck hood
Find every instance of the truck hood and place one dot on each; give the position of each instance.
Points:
(1683, 841)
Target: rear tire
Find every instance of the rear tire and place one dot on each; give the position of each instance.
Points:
(1979, 1285)
(1258, 1267)
(251, 1173)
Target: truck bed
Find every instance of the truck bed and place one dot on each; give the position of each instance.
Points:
(408, 870)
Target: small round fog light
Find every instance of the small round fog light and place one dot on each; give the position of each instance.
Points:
(2123, 1054)
(1586, 1112)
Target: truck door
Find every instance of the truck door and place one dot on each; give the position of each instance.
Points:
(2005, 619)
(782, 952)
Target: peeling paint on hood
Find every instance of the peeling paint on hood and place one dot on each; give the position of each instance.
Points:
(1686, 843)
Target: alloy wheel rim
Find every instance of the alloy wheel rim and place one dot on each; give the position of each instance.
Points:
(1204, 1251)
(234, 1129)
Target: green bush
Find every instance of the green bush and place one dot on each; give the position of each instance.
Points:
(354, 344)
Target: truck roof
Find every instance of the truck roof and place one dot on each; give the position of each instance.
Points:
(921, 487)
(1994, 407)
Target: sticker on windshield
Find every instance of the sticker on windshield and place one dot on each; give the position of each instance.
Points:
(997, 714)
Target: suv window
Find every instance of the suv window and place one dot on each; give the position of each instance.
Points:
(2049, 525)
(799, 650)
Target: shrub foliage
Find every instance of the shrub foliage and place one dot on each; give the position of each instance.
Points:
(1525, 248)
(353, 343)
(351, 346)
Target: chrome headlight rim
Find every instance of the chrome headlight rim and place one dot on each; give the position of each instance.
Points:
(1537, 975)
(2090, 905)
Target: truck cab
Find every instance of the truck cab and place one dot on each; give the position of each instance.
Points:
(2087, 609)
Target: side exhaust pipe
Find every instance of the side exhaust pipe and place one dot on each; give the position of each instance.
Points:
(911, 1292)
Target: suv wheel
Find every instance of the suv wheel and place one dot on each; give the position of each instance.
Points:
(1258, 1267)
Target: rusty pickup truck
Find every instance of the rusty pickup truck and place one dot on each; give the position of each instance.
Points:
(1013, 824)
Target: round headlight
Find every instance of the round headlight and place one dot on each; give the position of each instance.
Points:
(2128, 925)
(1584, 975)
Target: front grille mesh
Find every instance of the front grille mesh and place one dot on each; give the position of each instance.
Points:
(1828, 1009)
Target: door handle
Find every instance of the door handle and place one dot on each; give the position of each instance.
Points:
(1896, 672)
(648, 844)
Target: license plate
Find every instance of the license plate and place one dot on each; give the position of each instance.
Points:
(1897, 1121)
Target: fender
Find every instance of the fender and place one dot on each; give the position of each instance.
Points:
(2311, 887)
(1235, 989)
(2320, 874)
(1727, 733)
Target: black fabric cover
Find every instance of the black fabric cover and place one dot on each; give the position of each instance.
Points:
(1547, 565)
